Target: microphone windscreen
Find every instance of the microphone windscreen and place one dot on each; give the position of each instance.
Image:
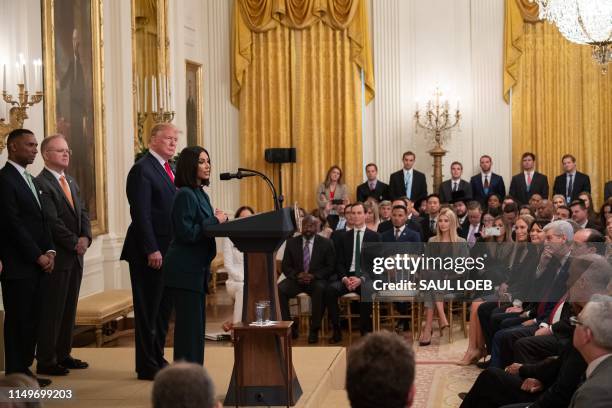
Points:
(225, 176)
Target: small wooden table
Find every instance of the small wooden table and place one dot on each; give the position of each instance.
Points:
(243, 333)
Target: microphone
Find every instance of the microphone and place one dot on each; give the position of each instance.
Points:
(238, 175)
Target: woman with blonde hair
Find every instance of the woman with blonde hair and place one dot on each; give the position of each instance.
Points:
(372, 216)
(446, 232)
(331, 190)
(558, 200)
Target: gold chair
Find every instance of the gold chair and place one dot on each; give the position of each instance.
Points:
(345, 310)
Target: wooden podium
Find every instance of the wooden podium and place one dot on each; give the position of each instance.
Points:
(263, 369)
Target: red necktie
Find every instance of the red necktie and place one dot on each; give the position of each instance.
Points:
(557, 306)
(169, 171)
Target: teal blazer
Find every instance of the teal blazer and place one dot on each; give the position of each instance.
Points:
(187, 262)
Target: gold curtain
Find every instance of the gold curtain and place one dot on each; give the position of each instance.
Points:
(296, 78)
(561, 103)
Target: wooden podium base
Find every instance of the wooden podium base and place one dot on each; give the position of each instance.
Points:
(263, 372)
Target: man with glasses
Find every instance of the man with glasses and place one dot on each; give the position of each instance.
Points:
(71, 231)
(593, 339)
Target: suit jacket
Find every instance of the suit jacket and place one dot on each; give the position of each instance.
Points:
(150, 193)
(413, 223)
(518, 187)
(187, 262)
(595, 392)
(322, 258)
(397, 188)
(427, 231)
(380, 192)
(344, 257)
(582, 182)
(26, 233)
(407, 235)
(496, 186)
(560, 376)
(608, 190)
(446, 190)
(67, 224)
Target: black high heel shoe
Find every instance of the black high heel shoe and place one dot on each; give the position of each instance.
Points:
(426, 343)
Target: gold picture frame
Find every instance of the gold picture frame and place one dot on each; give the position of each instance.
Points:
(74, 102)
(193, 103)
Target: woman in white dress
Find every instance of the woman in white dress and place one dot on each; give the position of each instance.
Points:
(233, 261)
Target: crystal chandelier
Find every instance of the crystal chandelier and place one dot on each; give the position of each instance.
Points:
(583, 22)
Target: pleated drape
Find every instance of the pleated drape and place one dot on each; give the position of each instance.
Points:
(296, 78)
(561, 103)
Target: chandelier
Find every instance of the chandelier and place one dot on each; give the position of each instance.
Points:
(587, 22)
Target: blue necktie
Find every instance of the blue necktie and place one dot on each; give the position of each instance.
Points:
(409, 185)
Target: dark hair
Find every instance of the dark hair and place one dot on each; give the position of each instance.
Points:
(540, 222)
(511, 208)
(380, 371)
(17, 133)
(241, 209)
(474, 205)
(596, 240)
(578, 203)
(433, 195)
(408, 153)
(495, 212)
(528, 154)
(568, 156)
(187, 167)
(456, 162)
(328, 176)
(496, 196)
(602, 213)
(400, 207)
(357, 204)
(486, 156)
(371, 165)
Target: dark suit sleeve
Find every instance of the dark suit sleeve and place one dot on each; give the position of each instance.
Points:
(13, 228)
(85, 223)
(545, 187)
(502, 187)
(328, 260)
(358, 194)
(289, 262)
(139, 196)
(468, 190)
(587, 183)
(558, 187)
(60, 232)
(341, 258)
(443, 198)
(559, 393)
(184, 218)
(513, 187)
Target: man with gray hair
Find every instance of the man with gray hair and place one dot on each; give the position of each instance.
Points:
(184, 385)
(593, 339)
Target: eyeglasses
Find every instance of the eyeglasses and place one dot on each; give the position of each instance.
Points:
(61, 151)
(574, 321)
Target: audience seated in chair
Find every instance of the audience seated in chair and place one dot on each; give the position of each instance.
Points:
(308, 264)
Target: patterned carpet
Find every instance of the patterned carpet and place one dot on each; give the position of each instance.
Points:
(438, 378)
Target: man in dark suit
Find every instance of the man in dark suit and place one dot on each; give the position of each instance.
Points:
(459, 204)
(308, 263)
(456, 183)
(413, 223)
(372, 187)
(572, 182)
(28, 253)
(150, 191)
(349, 273)
(472, 226)
(528, 182)
(71, 233)
(580, 214)
(486, 182)
(592, 339)
(400, 231)
(429, 221)
(608, 190)
(408, 182)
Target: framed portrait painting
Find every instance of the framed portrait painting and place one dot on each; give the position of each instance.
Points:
(73, 81)
(193, 103)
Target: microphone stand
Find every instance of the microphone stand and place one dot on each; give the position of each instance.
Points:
(277, 202)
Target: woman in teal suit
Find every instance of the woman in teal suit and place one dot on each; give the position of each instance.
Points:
(187, 262)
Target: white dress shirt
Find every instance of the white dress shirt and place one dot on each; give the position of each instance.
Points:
(362, 229)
